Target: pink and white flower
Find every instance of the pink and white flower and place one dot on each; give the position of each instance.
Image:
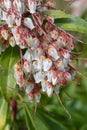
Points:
(32, 5)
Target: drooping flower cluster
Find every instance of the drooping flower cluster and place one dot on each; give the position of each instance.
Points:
(45, 64)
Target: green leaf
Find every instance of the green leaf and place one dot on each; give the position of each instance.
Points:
(3, 114)
(33, 121)
(7, 127)
(2, 23)
(7, 80)
(57, 14)
(73, 24)
(29, 120)
(68, 22)
(49, 120)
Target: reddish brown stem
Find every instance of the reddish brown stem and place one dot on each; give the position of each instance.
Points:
(36, 22)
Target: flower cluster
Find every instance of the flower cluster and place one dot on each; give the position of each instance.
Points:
(45, 66)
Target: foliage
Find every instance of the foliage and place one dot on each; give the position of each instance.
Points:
(49, 114)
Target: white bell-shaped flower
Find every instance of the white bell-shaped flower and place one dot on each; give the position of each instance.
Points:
(4, 34)
(49, 90)
(27, 55)
(37, 53)
(56, 89)
(37, 97)
(7, 4)
(12, 41)
(9, 20)
(53, 53)
(18, 21)
(27, 67)
(39, 76)
(35, 43)
(49, 75)
(19, 5)
(54, 80)
(32, 6)
(67, 76)
(36, 66)
(29, 23)
(29, 87)
(60, 65)
(15, 34)
(66, 54)
(44, 84)
(47, 63)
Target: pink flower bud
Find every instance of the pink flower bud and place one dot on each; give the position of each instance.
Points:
(4, 34)
(12, 41)
(30, 96)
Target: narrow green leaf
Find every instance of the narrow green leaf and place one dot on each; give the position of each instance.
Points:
(73, 24)
(57, 14)
(3, 114)
(26, 118)
(68, 22)
(29, 120)
(50, 121)
(7, 80)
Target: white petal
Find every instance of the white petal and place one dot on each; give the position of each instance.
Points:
(37, 53)
(73, 74)
(66, 54)
(44, 84)
(39, 76)
(12, 41)
(53, 52)
(27, 67)
(37, 66)
(29, 87)
(54, 80)
(35, 43)
(9, 20)
(49, 90)
(32, 6)
(60, 65)
(47, 63)
(37, 97)
(29, 23)
(4, 34)
(18, 21)
(15, 34)
(27, 55)
(7, 4)
(50, 75)
(56, 89)
(65, 62)
(19, 5)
